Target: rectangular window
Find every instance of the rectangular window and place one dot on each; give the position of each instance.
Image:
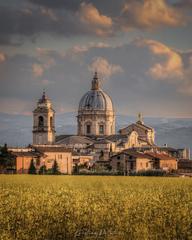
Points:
(101, 129)
(88, 129)
(131, 165)
(118, 166)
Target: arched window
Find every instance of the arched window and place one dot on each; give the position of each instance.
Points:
(88, 128)
(41, 122)
(51, 122)
(101, 129)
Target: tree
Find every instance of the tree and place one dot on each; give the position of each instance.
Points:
(32, 169)
(55, 168)
(7, 160)
(43, 170)
(76, 169)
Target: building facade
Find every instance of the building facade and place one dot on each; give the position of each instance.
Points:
(43, 155)
(145, 133)
(133, 161)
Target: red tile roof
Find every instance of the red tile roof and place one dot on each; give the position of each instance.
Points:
(160, 156)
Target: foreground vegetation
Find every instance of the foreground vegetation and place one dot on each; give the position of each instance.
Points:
(93, 207)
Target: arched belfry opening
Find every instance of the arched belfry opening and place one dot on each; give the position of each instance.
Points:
(41, 122)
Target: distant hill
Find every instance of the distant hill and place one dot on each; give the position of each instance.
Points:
(17, 130)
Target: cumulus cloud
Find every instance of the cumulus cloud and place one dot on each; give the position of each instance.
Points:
(149, 14)
(38, 70)
(105, 68)
(170, 65)
(131, 89)
(91, 16)
(45, 59)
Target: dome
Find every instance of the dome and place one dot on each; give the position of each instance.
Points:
(96, 98)
(96, 115)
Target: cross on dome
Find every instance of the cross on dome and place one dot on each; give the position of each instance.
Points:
(95, 82)
(140, 118)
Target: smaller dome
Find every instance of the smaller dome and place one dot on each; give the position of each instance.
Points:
(44, 98)
(44, 102)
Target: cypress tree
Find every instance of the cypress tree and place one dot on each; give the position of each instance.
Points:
(55, 168)
(32, 169)
(43, 170)
(7, 160)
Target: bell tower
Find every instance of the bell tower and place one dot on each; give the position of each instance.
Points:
(43, 122)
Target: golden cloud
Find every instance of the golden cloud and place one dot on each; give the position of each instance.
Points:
(105, 68)
(37, 69)
(169, 65)
(150, 14)
(171, 68)
(100, 24)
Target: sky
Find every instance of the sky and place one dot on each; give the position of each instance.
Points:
(142, 51)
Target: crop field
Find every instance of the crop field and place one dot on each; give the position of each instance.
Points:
(95, 207)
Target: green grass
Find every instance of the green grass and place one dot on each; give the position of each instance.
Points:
(94, 207)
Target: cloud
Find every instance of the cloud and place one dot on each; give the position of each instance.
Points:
(170, 65)
(47, 82)
(14, 106)
(106, 69)
(149, 14)
(2, 57)
(16, 24)
(38, 70)
(49, 13)
(186, 86)
(79, 49)
(45, 59)
(185, 4)
(71, 5)
(85, 18)
(90, 16)
(131, 85)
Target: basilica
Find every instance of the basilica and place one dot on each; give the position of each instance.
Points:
(95, 126)
(97, 144)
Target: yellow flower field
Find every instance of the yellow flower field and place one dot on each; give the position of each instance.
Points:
(95, 207)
